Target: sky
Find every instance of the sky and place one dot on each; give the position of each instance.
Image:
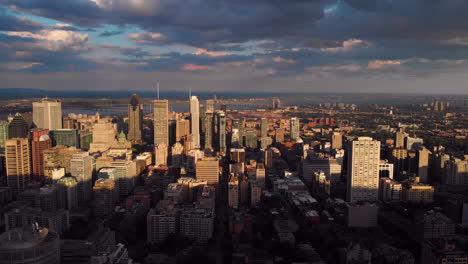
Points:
(336, 46)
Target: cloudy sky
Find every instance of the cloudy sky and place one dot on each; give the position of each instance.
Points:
(384, 46)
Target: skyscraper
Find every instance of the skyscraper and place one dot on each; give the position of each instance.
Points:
(209, 124)
(195, 121)
(18, 166)
(3, 132)
(161, 123)
(47, 114)
(18, 127)
(363, 170)
(264, 127)
(337, 141)
(135, 119)
(207, 169)
(222, 132)
(294, 128)
(161, 155)
(40, 142)
(423, 164)
(82, 169)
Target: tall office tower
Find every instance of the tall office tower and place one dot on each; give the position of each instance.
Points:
(399, 159)
(65, 137)
(160, 155)
(294, 128)
(47, 114)
(177, 155)
(264, 127)
(18, 166)
(161, 222)
(209, 112)
(172, 131)
(18, 127)
(30, 245)
(182, 129)
(423, 164)
(195, 121)
(104, 136)
(67, 191)
(105, 197)
(222, 132)
(363, 170)
(279, 135)
(251, 138)
(3, 132)
(337, 141)
(135, 119)
(82, 170)
(400, 139)
(207, 169)
(40, 142)
(161, 122)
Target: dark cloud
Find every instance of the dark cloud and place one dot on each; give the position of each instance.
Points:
(111, 33)
(13, 23)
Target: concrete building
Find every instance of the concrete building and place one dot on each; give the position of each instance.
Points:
(82, 170)
(18, 127)
(328, 165)
(233, 194)
(32, 245)
(390, 190)
(264, 127)
(456, 172)
(413, 143)
(161, 222)
(417, 193)
(67, 192)
(105, 197)
(65, 137)
(195, 121)
(337, 140)
(363, 170)
(104, 136)
(423, 164)
(135, 119)
(400, 139)
(279, 135)
(40, 141)
(294, 128)
(160, 155)
(58, 157)
(25, 217)
(434, 225)
(182, 129)
(197, 224)
(208, 169)
(3, 133)
(386, 169)
(161, 122)
(448, 250)
(18, 165)
(222, 132)
(47, 114)
(255, 194)
(177, 158)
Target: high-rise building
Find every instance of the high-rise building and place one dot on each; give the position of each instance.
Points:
(398, 158)
(209, 112)
(251, 138)
(82, 171)
(182, 129)
(67, 190)
(400, 139)
(363, 170)
(337, 141)
(160, 155)
(222, 132)
(161, 222)
(264, 127)
(39, 143)
(65, 137)
(233, 194)
(18, 127)
(3, 133)
(279, 135)
(294, 123)
(104, 136)
(177, 155)
(25, 217)
(423, 164)
(58, 157)
(329, 166)
(135, 119)
(31, 245)
(207, 169)
(197, 224)
(18, 164)
(161, 123)
(105, 197)
(47, 114)
(195, 121)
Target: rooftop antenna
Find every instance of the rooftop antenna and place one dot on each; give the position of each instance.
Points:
(157, 85)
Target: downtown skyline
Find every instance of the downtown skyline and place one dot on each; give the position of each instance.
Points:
(343, 46)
